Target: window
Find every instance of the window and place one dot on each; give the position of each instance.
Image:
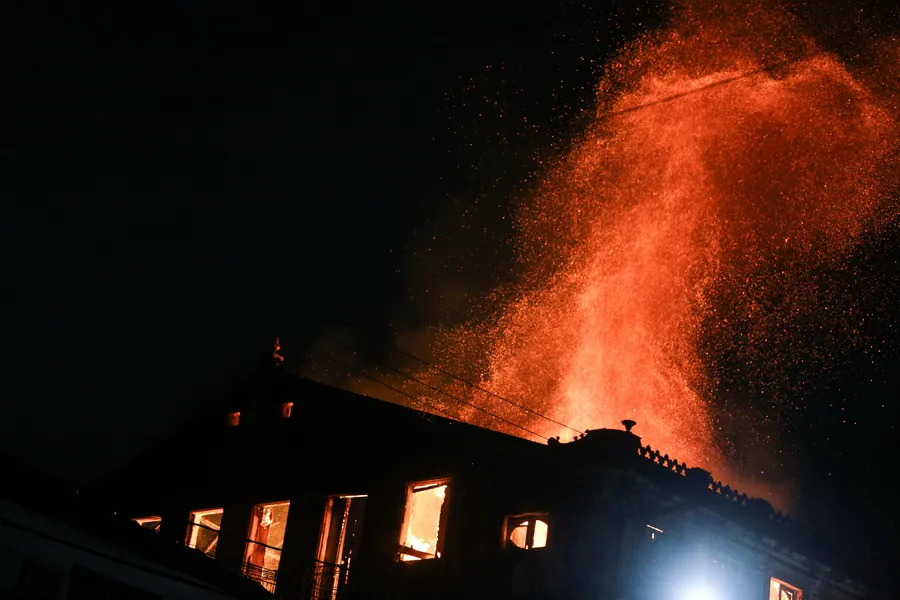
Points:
(234, 418)
(265, 540)
(286, 409)
(424, 520)
(780, 590)
(339, 540)
(151, 523)
(203, 530)
(527, 531)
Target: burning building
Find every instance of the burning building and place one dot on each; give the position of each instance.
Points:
(315, 492)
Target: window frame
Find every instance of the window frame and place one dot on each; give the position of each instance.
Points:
(194, 526)
(440, 542)
(512, 522)
(782, 583)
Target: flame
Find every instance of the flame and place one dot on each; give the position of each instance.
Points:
(729, 156)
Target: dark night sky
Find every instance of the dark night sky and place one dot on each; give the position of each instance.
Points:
(187, 182)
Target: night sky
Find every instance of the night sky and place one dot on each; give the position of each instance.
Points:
(183, 184)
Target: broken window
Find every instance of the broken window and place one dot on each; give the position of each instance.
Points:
(338, 544)
(234, 418)
(203, 530)
(527, 531)
(780, 590)
(286, 409)
(151, 523)
(424, 520)
(265, 540)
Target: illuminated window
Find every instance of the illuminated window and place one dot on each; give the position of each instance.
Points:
(286, 409)
(527, 531)
(203, 530)
(151, 523)
(234, 418)
(265, 540)
(780, 590)
(424, 520)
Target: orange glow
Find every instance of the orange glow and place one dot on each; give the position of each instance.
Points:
(725, 145)
(234, 418)
(286, 409)
(779, 590)
(421, 534)
(266, 536)
(519, 535)
(203, 530)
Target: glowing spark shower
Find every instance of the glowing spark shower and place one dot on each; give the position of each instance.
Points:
(731, 163)
(730, 158)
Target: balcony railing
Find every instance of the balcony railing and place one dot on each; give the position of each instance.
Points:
(324, 581)
(268, 578)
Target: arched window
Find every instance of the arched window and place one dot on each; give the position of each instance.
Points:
(527, 531)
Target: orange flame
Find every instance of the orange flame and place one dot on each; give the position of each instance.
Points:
(725, 144)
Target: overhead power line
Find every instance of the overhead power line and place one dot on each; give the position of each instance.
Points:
(486, 391)
(390, 387)
(451, 396)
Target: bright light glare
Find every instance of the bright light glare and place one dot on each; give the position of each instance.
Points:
(699, 593)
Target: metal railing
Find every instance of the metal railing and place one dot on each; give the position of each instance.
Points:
(323, 581)
(268, 578)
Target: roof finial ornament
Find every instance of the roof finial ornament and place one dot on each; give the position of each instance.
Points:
(628, 423)
(276, 347)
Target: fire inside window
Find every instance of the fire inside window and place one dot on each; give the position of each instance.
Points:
(424, 520)
(151, 523)
(781, 590)
(527, 531)
(286, 409)
(234, 418)
(203, 530)
(265, 538)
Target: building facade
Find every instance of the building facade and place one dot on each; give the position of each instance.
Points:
(54, 545)
(316, 492)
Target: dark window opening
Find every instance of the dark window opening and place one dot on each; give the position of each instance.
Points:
(339, 542)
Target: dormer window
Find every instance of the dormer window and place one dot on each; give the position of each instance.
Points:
(234, 418)
(286, 409)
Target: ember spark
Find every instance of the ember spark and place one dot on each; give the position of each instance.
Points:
(729, 158)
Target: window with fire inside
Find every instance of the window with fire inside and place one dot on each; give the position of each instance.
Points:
(424, 520)
(527, 531)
